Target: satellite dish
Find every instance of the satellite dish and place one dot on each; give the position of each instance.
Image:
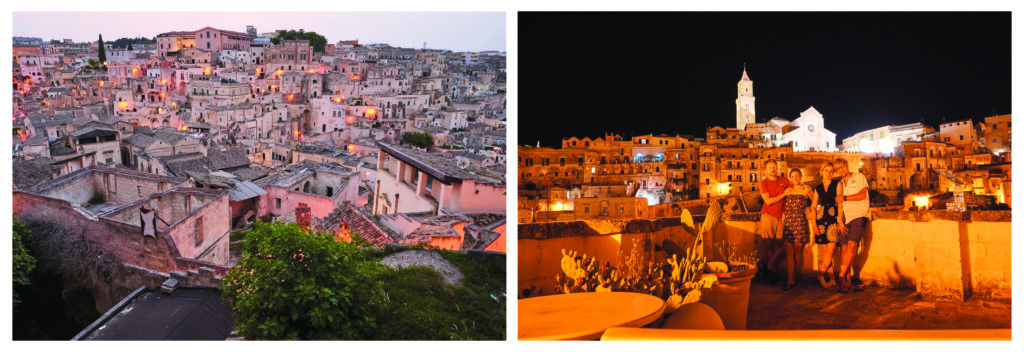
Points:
(461, 162)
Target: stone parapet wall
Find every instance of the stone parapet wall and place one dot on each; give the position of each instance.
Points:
(940, 254)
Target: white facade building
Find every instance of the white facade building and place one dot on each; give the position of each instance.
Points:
(808, 133)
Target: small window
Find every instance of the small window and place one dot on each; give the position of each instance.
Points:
(278, 201)
(199, 231)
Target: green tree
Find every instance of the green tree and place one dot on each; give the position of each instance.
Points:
(22, 259)
(318, 42)
(418, 139)
(294, 284)
(130, 46)
(103, 53)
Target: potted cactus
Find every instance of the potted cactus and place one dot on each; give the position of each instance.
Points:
(679, 280)
(730, 297)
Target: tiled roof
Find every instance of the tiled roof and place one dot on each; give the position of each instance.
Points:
(28, 173)
(57, 148)
(93, 132)
(146, 130)
(358, 221)
(169, 136)
(139, 140)
(227, 159)
(252, 172)
(439, 165)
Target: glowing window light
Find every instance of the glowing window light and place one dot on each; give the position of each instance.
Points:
(866, 147)
(886, 146)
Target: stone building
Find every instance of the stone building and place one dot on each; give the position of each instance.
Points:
(412, 181)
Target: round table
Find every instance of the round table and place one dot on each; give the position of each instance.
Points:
(585, 316)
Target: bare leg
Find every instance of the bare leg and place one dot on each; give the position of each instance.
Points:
(826, 261)
(774, 257)
(798, 259)
(849, 251)
(790, 262)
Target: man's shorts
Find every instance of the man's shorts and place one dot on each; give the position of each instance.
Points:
(770, 228)
(857, 228)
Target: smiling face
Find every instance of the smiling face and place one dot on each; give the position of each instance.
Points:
(771, 169)
(842, 169)
(795, 176)
(827, 172)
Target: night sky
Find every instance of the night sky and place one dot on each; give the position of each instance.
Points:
(584, 74)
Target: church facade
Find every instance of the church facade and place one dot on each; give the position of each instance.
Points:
(807, 132)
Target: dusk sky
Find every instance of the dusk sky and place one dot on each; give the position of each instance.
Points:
(457, 31)
(639, 73)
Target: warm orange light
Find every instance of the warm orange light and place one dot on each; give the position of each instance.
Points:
(371, 111)
(163, 95)
(123, 104)
(297, 133)
(279, 72)
(291, 97)
(183, 128)
(101, 83)
(163, 81)
(355, 76)
(206, 70)
(921, 201)
(311, 71)
(352, 148)
(337, 100)
(348, 119)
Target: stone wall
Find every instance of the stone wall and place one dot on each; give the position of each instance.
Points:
(940, 254)
(541, 244)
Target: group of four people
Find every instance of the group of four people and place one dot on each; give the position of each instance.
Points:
(837, 208)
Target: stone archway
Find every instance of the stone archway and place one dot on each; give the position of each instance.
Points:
(918, 182)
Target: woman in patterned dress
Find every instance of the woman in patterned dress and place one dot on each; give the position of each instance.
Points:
(796, 230)
(826, 203)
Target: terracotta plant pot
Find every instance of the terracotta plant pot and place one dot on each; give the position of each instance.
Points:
(730, 297)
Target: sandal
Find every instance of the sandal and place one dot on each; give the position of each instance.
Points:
(788, 287)
(821, 279)
(858, 288)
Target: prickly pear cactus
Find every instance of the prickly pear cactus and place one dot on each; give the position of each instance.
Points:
(677, 280)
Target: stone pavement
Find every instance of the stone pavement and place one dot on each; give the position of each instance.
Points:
(810, 307)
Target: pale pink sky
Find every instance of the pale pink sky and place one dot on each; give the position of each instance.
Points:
(457, 31)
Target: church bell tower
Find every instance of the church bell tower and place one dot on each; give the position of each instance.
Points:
(744, 101)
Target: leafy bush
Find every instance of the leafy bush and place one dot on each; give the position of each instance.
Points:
(22, 259)
(418, 139)
(98, 198)
(292, 284)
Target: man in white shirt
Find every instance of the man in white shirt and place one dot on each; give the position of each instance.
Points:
(855, 213)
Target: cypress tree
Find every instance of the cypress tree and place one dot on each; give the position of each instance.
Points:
(130, 46)
(103, 53)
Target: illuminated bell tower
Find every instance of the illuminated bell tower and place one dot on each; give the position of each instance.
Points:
(744, 101)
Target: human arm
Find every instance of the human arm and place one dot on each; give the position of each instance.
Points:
(863, 193)
(840, 217)
(768, 199)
